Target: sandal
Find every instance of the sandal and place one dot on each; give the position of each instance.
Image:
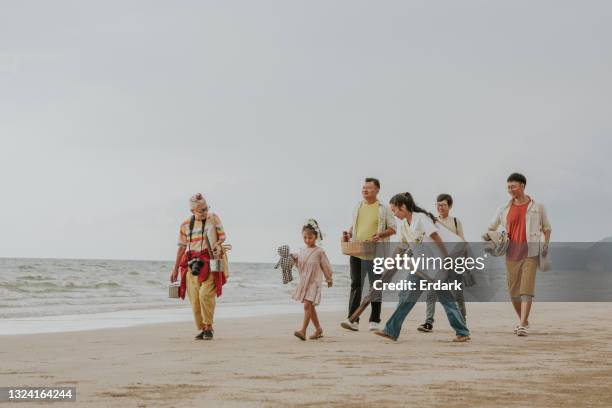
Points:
(299, 336)
(517, 327)
(521, 331)
(316, 335)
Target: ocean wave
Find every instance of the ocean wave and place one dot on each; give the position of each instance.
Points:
(47, 286)
(257, 285)
(35, 278)
(155, 283)
(107, 285)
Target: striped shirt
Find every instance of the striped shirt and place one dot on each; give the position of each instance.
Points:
(197, 244)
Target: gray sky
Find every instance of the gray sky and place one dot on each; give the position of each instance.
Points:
(113, 113)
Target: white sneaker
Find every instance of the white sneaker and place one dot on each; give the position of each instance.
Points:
(374, 326)
(350, 326)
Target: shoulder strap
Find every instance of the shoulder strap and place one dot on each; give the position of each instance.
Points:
(456, 227)
(191, 225)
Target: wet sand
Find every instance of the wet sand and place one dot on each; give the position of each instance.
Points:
(566, 361)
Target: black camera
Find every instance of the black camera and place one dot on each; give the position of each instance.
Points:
(195, 265)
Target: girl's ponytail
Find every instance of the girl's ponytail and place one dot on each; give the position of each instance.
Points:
(406, 200)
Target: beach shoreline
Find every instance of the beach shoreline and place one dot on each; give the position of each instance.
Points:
(141, 317)
(565, 361)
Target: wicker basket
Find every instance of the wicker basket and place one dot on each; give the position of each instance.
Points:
(358, 248)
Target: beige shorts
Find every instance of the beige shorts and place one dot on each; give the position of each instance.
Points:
(521, 277)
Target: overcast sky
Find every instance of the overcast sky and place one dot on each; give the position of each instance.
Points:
(112, 113)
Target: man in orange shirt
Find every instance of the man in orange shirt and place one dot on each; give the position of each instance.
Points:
(526, 223)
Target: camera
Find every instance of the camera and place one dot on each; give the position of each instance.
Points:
(195, 265)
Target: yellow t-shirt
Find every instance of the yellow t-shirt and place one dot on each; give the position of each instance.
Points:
(367, 223)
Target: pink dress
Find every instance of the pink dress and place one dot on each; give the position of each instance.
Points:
(314, 268)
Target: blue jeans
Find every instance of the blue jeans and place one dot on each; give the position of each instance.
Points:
(458, 295)
(408, 299)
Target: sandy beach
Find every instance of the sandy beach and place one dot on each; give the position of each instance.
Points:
(565, 362)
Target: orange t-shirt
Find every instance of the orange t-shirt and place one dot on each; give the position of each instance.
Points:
(517, 232)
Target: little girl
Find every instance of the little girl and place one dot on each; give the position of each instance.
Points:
(313, 265)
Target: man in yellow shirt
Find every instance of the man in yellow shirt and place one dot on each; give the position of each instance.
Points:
(372, 221)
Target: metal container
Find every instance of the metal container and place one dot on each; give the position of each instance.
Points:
(217, 265)
(173, 291)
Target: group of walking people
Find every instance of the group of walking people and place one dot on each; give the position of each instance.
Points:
(524, 220)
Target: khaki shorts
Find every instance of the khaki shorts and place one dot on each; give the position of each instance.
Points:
(521, 277)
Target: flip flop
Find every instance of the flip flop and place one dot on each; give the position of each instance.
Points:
(299, 336)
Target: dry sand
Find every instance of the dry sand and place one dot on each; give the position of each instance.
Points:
(565, 362)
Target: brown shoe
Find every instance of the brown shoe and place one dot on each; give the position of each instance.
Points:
(316, 335)
(385, 335)
(299, 336)
(462, 339)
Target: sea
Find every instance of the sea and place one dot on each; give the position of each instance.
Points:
(57, 295)
(53, 295)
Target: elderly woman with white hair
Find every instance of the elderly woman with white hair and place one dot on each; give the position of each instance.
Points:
(200, 239)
